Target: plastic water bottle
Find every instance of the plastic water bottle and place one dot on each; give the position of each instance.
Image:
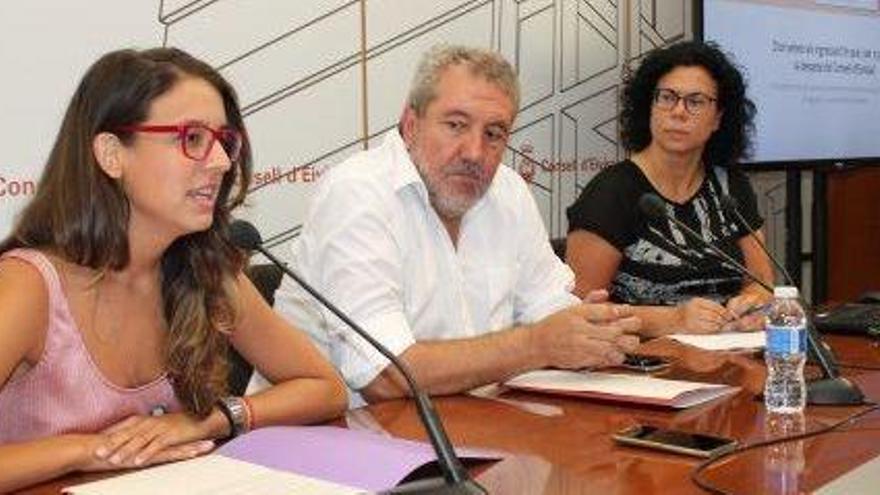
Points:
(785, 390)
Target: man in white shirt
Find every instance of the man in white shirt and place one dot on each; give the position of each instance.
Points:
(440, 253)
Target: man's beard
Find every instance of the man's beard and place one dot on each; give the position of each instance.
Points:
(449, 201)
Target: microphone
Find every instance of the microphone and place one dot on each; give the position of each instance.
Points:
(456, 479)
(731, 207)
(831, 389)
(654, 207)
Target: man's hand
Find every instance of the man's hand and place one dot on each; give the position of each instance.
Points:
(586, 335)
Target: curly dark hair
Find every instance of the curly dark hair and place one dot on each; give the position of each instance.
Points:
(733, 139)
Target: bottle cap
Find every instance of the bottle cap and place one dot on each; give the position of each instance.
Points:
(786, 292)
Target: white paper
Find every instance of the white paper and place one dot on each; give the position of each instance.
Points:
(210, 475)
(674, 393)
(728, 341)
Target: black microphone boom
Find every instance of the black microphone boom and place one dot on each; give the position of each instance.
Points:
(831, 389)
(455, 478)
(654, 207)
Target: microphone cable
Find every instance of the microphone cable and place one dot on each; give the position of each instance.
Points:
(697, 473)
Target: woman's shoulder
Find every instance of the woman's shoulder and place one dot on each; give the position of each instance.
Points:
(41, 278)
(608, 203)
(45, 265)
(738, 177)
(732, 180)
(733, 172)
(24, 300)
(25, 266)
(622, 181)
(624, 170)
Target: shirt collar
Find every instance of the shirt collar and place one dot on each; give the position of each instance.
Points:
(406, 175)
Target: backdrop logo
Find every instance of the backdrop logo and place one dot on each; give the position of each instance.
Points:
(529, 165)
(277, 175)
(16, 187)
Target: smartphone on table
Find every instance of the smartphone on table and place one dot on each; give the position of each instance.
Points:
(639, 362)
(680, 442)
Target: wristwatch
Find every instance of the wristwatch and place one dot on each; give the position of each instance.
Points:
(236, 412)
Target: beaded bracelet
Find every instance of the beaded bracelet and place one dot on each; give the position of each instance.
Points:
(251, 419)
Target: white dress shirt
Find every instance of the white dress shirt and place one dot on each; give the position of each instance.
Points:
(374, 246)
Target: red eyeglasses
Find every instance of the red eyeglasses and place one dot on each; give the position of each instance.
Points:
(196, 140)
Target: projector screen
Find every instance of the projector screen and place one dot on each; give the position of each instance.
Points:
(812, 70)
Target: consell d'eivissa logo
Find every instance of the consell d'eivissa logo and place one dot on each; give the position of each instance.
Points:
(529, 165)
(290, 175)
(16, 187)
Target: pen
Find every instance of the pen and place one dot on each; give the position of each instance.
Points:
(753, 310)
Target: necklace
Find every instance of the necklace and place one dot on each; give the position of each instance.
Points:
(659, 178)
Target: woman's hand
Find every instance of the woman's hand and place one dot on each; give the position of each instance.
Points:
(142, 440)
(699, 315)
(746, 319)
(92, 443)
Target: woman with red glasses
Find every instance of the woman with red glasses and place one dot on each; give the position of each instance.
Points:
(120, 291)
(686, 121)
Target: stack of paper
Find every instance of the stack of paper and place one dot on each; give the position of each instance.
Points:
(211, 475)
(728, 341)
(619, 387)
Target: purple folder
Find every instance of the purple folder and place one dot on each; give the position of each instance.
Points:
(349, 457)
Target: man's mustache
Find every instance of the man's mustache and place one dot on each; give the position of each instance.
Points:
(469, 168)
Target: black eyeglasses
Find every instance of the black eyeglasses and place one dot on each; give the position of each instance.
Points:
(694, 103)
(196, 140)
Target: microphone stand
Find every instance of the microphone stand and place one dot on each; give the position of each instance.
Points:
(455, 480)
(742, 270)
(831, 389)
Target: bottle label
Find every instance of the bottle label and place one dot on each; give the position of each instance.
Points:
(786, 340)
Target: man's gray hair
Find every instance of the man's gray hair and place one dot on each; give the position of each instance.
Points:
(487, 64)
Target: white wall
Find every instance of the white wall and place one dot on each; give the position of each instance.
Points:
(296, 65)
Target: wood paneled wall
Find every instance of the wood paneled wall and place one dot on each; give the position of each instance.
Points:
(853, 235)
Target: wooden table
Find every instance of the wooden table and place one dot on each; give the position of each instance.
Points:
(564, 446)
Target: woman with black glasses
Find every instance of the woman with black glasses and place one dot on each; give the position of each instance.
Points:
(686, 121)
(120, 291)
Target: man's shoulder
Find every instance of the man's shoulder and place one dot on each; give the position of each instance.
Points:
(509, 183)
(369, 173)
(509, 202)
(365, 166)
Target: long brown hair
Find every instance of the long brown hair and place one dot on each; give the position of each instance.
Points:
(82, 214)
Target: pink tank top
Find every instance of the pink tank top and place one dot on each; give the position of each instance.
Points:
(65, 392)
